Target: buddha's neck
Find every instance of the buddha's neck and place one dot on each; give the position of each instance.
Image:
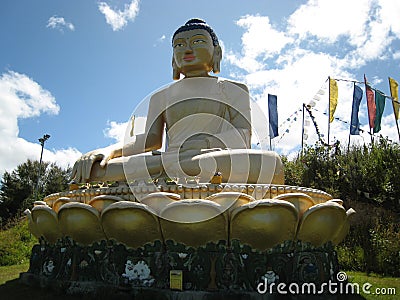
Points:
(196, 73)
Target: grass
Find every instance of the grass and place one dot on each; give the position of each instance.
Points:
(12, 272)
(378, 283)
(11, 288)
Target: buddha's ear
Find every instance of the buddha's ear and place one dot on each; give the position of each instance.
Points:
(217, 56)
(176, 72)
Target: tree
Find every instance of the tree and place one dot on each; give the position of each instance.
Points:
(17, 191)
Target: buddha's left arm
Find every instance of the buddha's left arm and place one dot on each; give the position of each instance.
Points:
(237, 134)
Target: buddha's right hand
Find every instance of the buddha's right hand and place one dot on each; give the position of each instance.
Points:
(83, 166)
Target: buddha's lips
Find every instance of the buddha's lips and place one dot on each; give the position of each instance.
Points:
(189, 57)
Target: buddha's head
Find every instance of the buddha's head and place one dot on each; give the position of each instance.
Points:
(196, 50)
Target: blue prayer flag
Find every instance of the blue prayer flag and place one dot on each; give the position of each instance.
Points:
(273, 116)
(355, 123)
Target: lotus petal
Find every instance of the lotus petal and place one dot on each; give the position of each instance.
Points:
(264, 223)
(103, 201)
(300, 200)
(194, 222)
(131, 223)
(321, 223)
(159, 200)
(31, 225)
(345, 228)
(230, 200)
(46, 223)
(81, 222)
(338, 201)
(60, 202)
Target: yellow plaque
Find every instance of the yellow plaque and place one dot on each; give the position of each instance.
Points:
(175, 279)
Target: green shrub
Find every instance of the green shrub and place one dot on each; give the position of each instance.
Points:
(367, 178)
(16, 244)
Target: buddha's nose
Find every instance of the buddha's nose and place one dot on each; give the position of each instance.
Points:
(188, 48)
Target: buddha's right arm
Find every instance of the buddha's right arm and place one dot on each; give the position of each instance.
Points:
(142, 143)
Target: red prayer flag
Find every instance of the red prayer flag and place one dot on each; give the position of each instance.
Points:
(370, 104)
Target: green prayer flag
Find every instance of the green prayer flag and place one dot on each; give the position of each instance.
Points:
(380, 99)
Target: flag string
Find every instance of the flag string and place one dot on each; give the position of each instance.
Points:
(316, 126)
(346, 122)
(288, 122)
(372, 88)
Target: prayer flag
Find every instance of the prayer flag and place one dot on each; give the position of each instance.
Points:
(333, 98)
(380, 99)
(273, 116)
(355, 123)
(370, 104)
(394, 92)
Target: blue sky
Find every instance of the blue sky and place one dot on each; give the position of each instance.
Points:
(77, 69)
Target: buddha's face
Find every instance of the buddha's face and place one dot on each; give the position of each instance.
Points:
(193, 52)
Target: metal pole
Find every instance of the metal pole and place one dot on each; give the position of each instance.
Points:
(397, 125)
(348, 145)
(302, 131)
(270, 143)
(394, 113)
(42, 141)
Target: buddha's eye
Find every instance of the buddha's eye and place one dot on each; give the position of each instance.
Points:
(179, 45)
(199, 41)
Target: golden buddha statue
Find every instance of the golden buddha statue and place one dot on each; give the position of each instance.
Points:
(247, 212)
(207, 119)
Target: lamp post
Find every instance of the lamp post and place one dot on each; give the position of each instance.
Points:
(42, 140)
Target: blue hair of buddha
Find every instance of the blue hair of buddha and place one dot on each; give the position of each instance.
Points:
(197, 24)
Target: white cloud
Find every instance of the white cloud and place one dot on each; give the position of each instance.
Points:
(122, 132)
(260, 41)
(119, 19)
(116, 131)
(329, 20)
(160, 40)
(22, 97)
(368, 26)
(396, 55)
(321, 39)
(59, 23)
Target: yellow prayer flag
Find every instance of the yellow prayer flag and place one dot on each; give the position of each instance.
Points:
(333, 98)
(394, 92)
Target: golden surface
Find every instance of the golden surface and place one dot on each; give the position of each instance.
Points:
(46, 223)
(263, 224)
(344, 230)
(158, 201)
(194, 222)
(301, 201)
(230, 200)
(60, 202)
(80, 222)
(103, 201)
(273, 223)
(32, 225)
(321, 223)
(131, 223)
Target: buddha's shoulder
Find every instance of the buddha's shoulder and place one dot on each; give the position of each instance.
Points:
(236, 83)
(203, 83)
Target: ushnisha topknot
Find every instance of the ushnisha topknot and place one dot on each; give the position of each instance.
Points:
(197, 24)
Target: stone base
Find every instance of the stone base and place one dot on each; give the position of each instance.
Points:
(215, 271)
